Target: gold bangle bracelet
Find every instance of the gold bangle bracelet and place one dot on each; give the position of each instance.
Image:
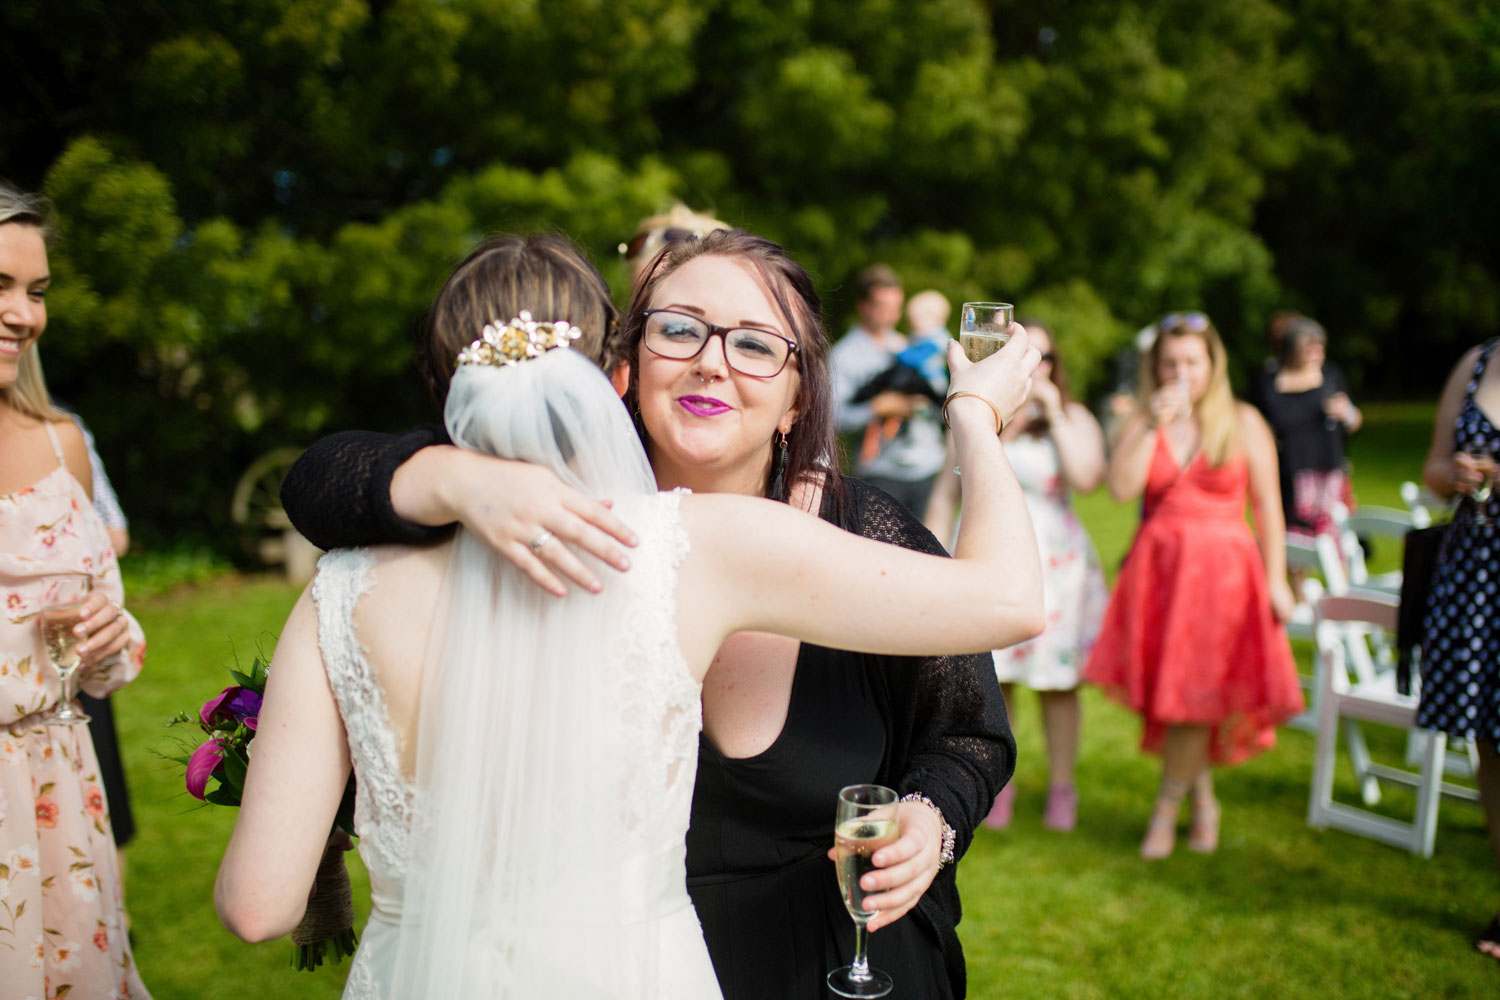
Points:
(999, 424)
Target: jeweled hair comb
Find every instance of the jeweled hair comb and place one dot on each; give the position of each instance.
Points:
(522, 339)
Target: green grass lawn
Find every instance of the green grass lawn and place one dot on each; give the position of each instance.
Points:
(1280, 911)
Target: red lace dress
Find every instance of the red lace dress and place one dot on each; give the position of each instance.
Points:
(1189, 637)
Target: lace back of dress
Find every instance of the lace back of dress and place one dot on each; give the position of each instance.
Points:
(383, 802)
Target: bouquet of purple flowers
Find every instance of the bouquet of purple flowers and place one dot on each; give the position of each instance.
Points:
(215, 773)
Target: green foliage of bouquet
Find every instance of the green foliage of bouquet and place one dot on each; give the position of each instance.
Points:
(215, 773)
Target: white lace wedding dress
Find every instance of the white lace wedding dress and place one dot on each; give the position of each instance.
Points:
(658, 699)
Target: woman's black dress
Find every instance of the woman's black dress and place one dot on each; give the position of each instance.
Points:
(1307, 441)
(761, 826)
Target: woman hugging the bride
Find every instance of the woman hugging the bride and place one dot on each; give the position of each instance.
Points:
(526, 762)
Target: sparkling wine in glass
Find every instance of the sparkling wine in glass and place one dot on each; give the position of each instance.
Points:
(63, 596)
(864, 823)
(1484, 490)
(984, 327)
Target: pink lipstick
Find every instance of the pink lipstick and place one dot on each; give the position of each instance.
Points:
(703, 406)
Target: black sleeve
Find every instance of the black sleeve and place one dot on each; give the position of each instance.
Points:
(952, 736)
(949, 735)
(338, 494)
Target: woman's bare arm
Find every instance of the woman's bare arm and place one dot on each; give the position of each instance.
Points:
(1445, 471)
(766, 567)
(292, 790)
(1080, 448)
(1131, 462)
(1265, 500)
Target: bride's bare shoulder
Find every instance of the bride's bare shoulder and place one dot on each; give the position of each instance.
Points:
(404, 584)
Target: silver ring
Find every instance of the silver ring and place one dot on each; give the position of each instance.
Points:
(543, 537)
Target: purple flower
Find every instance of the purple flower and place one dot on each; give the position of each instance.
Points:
(203, 763)
(233, 703)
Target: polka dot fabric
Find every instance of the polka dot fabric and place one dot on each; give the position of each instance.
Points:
(1461, 644)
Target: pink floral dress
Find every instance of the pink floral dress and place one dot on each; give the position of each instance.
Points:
(62, 922)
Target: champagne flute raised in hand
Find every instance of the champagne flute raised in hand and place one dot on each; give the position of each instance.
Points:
(63, 596)
(864, 823)
(984, 327)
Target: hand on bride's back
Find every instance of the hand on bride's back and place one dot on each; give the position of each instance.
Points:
(1003, 378)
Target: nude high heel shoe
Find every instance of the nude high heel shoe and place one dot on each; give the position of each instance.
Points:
(1203, 831)
(1161, 832)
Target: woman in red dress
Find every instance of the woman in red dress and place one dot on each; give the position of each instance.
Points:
(1192, 638)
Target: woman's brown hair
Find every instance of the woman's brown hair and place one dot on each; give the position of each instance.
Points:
(544, 273)
(812, 446)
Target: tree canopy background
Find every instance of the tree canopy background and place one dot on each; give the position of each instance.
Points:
(258, 199)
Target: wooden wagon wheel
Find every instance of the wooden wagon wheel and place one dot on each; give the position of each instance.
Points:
(256, 507)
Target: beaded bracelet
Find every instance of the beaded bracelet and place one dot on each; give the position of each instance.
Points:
(999, 424)
(945, 853)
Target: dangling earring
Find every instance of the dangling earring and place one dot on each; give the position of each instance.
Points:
(778, 468)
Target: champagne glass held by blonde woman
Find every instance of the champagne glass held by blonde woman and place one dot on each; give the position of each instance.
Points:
(62, 918)
(1192, 639)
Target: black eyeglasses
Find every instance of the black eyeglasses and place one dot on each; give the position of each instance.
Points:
(661, 237)
(749, 350)
(1195, 322)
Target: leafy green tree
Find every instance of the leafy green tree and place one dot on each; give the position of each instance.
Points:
(258, 199)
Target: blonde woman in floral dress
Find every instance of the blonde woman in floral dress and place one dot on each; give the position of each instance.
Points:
(62, 922)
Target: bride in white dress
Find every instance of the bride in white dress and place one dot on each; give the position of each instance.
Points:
(525, 762)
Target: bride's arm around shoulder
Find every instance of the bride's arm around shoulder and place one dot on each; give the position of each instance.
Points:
(756, 564)
(298, 769)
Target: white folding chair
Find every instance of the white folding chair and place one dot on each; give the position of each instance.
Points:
(1344, 696)
(1302, 554)
(1422, 504)
(1372, 522)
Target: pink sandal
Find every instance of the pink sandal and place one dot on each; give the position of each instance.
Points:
(1005, 807)
(1062, 808)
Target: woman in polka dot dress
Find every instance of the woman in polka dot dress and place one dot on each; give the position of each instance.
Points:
(1461, 631)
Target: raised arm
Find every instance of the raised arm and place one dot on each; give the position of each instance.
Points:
(1080, 447)
(1131, 463)
(292, 790)
(766, 567)
(1265, 498)
(359, 488)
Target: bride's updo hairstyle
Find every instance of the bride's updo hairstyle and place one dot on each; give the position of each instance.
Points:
(543, 273)
(812, 445)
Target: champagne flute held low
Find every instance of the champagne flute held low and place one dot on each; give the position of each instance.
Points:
(864, 823)
(61, 611)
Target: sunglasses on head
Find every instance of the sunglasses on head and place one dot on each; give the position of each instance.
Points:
(1194, 322)
(663, 237)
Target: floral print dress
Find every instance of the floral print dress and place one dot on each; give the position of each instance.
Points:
(62, 922)
(1073, 588)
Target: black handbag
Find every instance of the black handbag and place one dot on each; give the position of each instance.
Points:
(1419, 560)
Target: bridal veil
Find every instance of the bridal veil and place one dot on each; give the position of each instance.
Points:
(522, 881)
